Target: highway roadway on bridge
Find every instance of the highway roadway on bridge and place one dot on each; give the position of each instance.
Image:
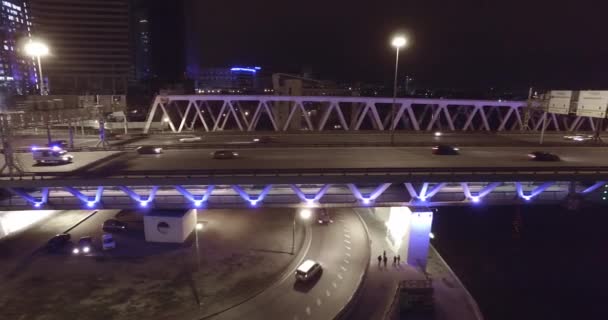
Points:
(194, 161)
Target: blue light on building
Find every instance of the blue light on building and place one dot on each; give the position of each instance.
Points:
(18, 73)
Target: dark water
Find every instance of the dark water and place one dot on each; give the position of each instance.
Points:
(529, 262)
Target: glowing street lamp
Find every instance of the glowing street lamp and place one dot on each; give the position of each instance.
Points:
(398, 42)
(37, 49)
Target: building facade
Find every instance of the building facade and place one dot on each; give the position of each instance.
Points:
(232, 80)
(18, 72)
(141, 37)
(90, 51)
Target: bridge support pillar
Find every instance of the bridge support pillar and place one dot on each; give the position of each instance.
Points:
(408, 233)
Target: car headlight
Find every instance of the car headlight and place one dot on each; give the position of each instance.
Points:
(456, 149)
(256, 140)
(65, 158)
(158, 150)
(86, 249)
(532, 156)
(75, 251)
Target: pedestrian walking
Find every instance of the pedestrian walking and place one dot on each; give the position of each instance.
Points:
(379, 259)
(384, 254)
(399, 259)
(385, 260)
(394, 260)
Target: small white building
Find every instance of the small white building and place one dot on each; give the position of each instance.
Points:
(169, 226)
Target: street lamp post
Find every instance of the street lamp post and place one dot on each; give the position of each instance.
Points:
(36, 49)
(398, 42)
(305, 214)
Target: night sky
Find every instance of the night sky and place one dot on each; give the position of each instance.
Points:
(455, 44)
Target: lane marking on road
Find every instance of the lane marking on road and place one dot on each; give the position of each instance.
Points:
(343, 268)
(318, 302)
(327, 293)
(346, 235)
(333, 284)
(346, 241)
(340, 276)
(346, 230)
(308, 310)
(346, 261)
(347, 254)
(347, 247)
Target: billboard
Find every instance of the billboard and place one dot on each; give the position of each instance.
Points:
(592, 104)
(559, 101)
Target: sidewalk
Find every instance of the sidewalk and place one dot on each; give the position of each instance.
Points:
(452, 301)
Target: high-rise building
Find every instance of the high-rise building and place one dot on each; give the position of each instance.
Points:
(18, 72)
(89, 44)
(141, 37)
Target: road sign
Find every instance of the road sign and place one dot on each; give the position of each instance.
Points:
(559, 101)
(592, 104)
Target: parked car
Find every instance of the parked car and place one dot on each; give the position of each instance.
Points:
(190, 139)
(113, 225)
(323, 217)
(53, 154)
(59, 242)
(308, 270)
(149, 150)
(543, 156)
(85, 246)
(225, 154)
(445, 150)
(107, 242)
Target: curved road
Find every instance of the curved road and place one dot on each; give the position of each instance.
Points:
(342, 249)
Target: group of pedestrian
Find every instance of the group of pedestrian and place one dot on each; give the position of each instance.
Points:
(382, 258)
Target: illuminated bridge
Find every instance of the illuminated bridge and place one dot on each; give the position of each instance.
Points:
(212, 113)
(378, 176)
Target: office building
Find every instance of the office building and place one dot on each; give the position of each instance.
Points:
(89, 45)
(233, 80)
(141, 37)
(18, 72)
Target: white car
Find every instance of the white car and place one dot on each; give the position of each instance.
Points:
(53, 154)
(190, 139)
(107, 241)
(579, 137)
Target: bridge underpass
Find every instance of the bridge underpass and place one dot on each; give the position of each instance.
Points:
(298, 195)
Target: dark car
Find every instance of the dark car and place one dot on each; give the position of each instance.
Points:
(59, 143)
(225, 154)
(445, 150)
(323, 217)
(113, 225)
(85, 246)
(543, 156)
(264, 140)
(58, 242)
(149, 150)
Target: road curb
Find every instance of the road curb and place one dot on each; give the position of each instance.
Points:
(470, 299)
(346, 310)
(299, 257)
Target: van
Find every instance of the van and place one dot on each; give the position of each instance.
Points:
(53, 154)
(307, 270)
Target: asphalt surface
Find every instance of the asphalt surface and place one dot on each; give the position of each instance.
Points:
(20, 248)
(200, 160)
(342, 249)
(362, 138)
